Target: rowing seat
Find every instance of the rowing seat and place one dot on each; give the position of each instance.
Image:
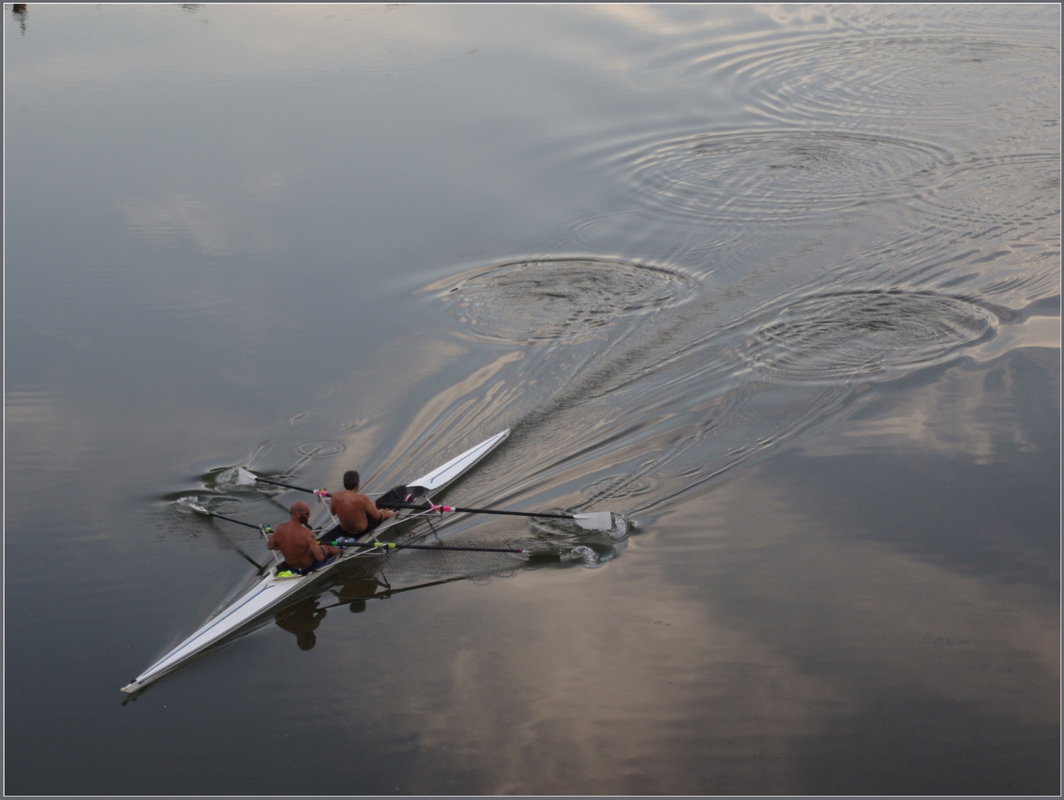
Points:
(284, 566)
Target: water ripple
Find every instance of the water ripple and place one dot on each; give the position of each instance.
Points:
(693, 248)
(551, 300)
(995, 189)
(924, 78)
(766, 176)
(615, 487)
(866, 335)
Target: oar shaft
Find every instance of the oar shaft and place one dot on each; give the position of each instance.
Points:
(508, 513)
(320, 492)
(324, 493)
(476, 510)
(237, 521)
(263, 529)
(394, 546)
(250, 560)
(385, 545)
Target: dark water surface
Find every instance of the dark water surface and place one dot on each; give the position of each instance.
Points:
(781, 283)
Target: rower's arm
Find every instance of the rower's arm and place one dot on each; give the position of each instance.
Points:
(380, 513)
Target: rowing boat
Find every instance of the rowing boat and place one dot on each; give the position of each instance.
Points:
(280, 585)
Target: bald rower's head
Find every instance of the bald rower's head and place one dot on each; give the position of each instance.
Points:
(300, 512)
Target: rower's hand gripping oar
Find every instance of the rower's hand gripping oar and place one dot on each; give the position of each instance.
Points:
(595, 521)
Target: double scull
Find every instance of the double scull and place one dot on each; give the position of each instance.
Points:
(280, 585)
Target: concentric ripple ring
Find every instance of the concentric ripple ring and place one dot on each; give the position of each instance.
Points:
(893, 77)
(541, 301)
(778, 175)
(866, 335)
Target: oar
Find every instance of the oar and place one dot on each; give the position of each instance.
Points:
(394, 546)
(388, 592)
(264, 530)
(387, 545)
(319, 492)
(596, 521)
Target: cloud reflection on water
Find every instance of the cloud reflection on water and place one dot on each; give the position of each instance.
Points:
(782, 606)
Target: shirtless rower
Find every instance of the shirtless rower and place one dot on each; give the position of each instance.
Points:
(356, 512)
(296, 541)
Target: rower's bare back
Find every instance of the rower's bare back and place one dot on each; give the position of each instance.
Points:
(355, 510)
(296, 543)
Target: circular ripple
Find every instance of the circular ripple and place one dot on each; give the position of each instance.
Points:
(866, 335)
(779, 175)
(989, 191)
(923, 78)
(321, 449)
(564, 299)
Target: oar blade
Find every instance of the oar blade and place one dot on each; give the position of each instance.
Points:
(595, 521)
(244, 477)
(605, 521)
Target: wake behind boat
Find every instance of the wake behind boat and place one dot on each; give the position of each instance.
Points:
(281, 584)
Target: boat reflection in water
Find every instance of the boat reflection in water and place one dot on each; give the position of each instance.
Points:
(549, 547)
(303, 618)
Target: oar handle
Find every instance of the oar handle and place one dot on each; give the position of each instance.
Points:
(440, 508)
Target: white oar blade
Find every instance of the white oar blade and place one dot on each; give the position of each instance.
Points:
(233, 478)
(244, 478)
(605, 521)
(198, 508)
(190, 503)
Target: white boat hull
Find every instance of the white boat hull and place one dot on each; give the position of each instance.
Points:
(272, 591)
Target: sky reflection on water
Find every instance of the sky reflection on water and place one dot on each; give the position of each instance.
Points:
(782, 281)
